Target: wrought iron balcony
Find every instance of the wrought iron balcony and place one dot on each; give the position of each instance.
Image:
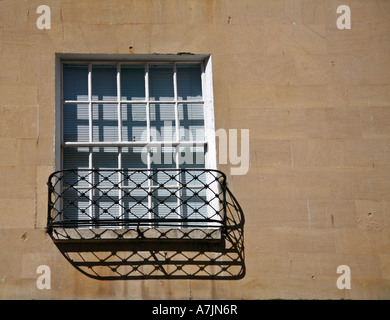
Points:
(145, 207)
(136, 203)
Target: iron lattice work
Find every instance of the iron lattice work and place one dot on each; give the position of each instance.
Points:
(158, 223)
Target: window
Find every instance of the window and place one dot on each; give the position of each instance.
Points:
(127, 129)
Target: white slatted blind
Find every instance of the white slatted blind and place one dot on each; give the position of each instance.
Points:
(161, 86)
(191, 117)
(162, 122)
(75, 82)
(133, 83)
(105, 122)
(76, 123)
(104, 84)
(134, 122)
(189, 84)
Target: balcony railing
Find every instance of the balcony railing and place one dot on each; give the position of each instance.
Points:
(144, 207)
(136, 203)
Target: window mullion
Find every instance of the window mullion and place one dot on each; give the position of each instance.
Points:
(120, 192)
(177, 126)
(177, 148)
(90, 123)
(148, 131)
(209, 133)
(118, 84)
(90, 117)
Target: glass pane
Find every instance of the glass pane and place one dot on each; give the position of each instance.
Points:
(135, 204)
(192, 157)
(135, 197)
(105, 122)
(134, 159)
(104, 159)
(163, 158)
(191, 118)
(76, 123)
(75, 82)
(105, 205)
(134, 122)
(161, 83)
(194, 205)
(133, 82)
(76, 158)
(162, 122)
(165, 205)
(189, 84)
(104, 83)
(75, 205)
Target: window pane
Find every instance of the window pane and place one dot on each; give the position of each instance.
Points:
(163, 158)
(189, 84)
(162, 122)
(135, 204)
(105, 204)
(105, 158)
(135, 198)
(161, 83)
(104, 83)
(194, 205)
(75, 158)
(191, 119)
(133, 82)
(164, 204)
(192, 158)
(76, 124)
(134, 122)
(105, 122)
(75, 201)
(75, 82)
(75, 205)
(136, 159)
(78, 159)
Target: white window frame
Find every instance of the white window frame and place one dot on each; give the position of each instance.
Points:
(118, 60)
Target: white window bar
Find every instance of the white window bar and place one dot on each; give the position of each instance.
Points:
(177, 128)
(149, 138)
(90, 127)
(120, 190)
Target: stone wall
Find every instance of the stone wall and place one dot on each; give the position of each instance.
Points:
(316, 100)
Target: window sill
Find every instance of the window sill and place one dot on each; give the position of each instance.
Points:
(144, 233)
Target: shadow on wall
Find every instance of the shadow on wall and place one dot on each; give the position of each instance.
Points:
(166, 254)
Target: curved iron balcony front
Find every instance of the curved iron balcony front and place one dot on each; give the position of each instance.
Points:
(131, 203)
(146, 206)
